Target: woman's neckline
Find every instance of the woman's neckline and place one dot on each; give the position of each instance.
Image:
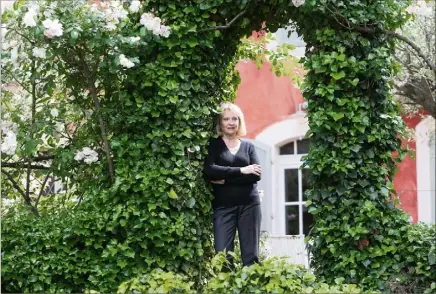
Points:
(238, 143)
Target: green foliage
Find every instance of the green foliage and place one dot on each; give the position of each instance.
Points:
(272, 276)
(40, 255)
(281, 62)
(157, 282)
(418, 257)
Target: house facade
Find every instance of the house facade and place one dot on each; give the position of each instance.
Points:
(274, 110)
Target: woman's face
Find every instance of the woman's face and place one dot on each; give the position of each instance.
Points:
(229, 123)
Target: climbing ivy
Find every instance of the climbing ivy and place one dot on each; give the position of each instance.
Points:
(355, 130)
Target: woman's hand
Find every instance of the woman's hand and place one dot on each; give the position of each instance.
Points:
(218, 182)
(252, 169)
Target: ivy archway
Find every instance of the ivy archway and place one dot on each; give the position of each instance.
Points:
(145, 204)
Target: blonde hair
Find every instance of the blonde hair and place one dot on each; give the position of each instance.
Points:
(242, 129)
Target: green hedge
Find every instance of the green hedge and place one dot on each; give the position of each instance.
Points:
(418, 260)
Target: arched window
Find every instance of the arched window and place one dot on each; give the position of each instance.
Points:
(295, 147)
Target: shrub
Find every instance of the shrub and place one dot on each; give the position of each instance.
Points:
(418, 254)
(157, 281)
(271, 276)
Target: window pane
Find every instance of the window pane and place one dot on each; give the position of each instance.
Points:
(292, 220)
(287, 149)
(291, 185)
(307, 221)
(303, 146)
(306, 175)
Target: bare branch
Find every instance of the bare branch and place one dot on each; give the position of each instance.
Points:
(15, 185)
(15, 78)
(411, 44)
(228, 25)
(343, 21)
(80, 201)
(18, 188)
(23, 165)
(21, 35)
(43, 158)
(106, 146)
(42, 190)
(31, 130)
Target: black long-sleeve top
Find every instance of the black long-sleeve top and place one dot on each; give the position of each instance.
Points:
(221, 164)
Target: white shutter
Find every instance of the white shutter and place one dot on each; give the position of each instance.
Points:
(433, 174)
(265, 184)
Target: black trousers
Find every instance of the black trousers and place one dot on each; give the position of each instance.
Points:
(245, 218)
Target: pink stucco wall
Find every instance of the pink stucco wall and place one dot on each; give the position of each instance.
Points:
(265, 98)
(405, 181)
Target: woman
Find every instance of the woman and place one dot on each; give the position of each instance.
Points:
(233, 168)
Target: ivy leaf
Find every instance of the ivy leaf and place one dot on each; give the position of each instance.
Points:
(122, 263)
(336, 115)
(173, 194)
(431, 258)
(355, 82)
(384, 191)
(373, 195)
(366, 262)
(363, 183)
(341, 57)
(192, 42)
(356, 148)
(204, 6)
(338, 75)
(174, 99)
(370, 153)
(191, 202)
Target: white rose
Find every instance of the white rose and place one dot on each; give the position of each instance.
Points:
(111, 26)
(47, 13)
(153, 24)
(53, 28)
(79, 156)
(92, 158)
(126, 62)
(134, 39)
(14, 55)
(9, 143)
(87, 151)
(134, 6)
(54, 112)
(165, 31)
(39, 52)
(298, 2)
(29, 18)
